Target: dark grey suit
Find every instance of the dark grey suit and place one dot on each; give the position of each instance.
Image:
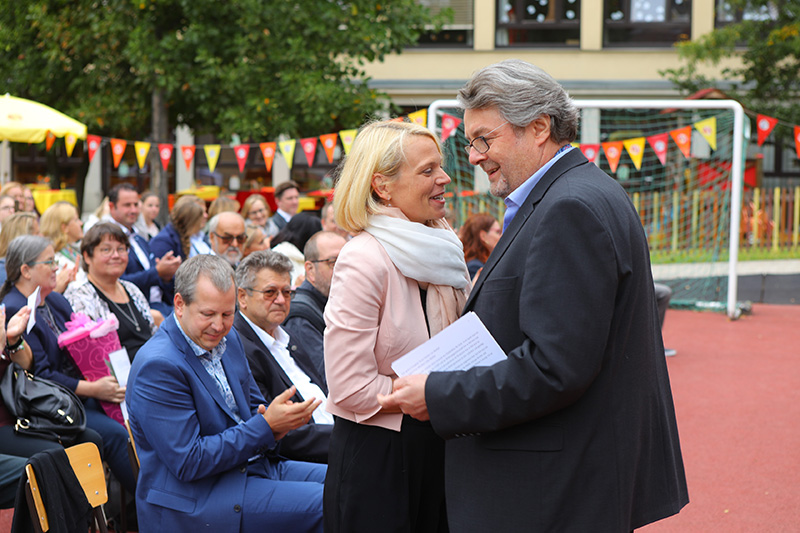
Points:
(576, 430)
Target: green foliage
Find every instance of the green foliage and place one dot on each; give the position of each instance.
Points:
(258, 68)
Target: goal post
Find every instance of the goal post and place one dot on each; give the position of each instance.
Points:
(682, 163)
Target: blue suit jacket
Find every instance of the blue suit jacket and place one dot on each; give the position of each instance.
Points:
(167, 240)
(193, 454)
(144, 278)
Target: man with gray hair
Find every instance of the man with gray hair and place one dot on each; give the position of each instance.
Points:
(575, 430)
(264, 294)
(204, 437)
(226, 234)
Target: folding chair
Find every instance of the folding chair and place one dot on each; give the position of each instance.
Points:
(85, 461)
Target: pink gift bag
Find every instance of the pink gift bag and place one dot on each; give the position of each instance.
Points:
(89, 344)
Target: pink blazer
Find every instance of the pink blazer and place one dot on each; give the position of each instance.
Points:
(373, 316)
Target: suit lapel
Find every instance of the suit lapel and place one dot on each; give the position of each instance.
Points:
(228, 364)
(246, 331)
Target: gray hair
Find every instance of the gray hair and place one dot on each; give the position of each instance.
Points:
(213, 267)
(254, 263)
(214, 222)
(23, 250)
(522, 93)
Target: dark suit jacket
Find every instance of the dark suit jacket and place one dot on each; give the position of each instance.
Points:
(309, 442)
(192, 451)
(167, 240)
(576, 430)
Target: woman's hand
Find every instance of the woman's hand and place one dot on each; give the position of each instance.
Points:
(10, 334)
(107, 389)
(64, 277)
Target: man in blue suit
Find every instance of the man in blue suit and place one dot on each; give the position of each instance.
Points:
(204, 438)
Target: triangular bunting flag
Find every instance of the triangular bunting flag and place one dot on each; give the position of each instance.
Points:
(590, 151)
(635, 148)
(268, 151)
(449, 125)
(329, 144)
(347, 137)
(118, 150)
(93, 143)
(142, 149)
(212, 155)
(50, 139)
(397, 119)
(797, 140)
(187, 152)
(708, 129)
(287, 149)
(765, 125)
(241, 151)
(165, 155)
(659, 144)
(613, 151)
(309, 148)
(419, 117)
(683, 138)
(69, 141)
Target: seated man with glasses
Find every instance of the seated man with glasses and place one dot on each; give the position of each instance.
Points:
(227, 236)
(264, 294)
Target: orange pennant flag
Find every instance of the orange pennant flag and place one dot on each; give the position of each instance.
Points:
(142, 149)
(309, 148)
(93, 143)
(268, 151)
(118, 150)
(347, 137)
(212, 155)
(241, 151)
(659, 144)
(329, 144)
(635, 148)
(590, 151)
(396, 119)
(69, 141)
(797, 140)
(187, 152)
(613, 151)
(683, 138)
(765, 125)
(287, 149)
(165, 154)
(708, 129)
(449, 125)
(50, 139)
(419, 117)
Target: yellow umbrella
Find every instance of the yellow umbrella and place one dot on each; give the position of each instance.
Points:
(26, 121)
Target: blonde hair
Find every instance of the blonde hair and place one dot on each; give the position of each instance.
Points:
(378, 149)
(222, 203)
(248, 205)
(10, 185)
(55, 216)
(14, 226)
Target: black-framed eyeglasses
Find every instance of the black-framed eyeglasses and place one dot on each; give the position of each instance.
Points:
(330, 261)
(272, 293)
(481, 144)
(227, 239)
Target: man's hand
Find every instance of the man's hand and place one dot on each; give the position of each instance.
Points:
(283, 415)
(167, 265)
(408, 394)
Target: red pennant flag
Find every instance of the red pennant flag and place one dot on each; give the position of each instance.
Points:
(50, 140)
(590, 151)
(659, 144)
(683, 138)
(268, 151)
(93, 142)
(449, 125)
(613, 151)
(165, 154)
(118, 150)
(241, 151)
(765, 125)
(309, 148)
(188, 154)
(797, 140)
(396, 119)
(329, 144)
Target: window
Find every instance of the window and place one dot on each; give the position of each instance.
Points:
(727, 14)
(647, 22)
(538, 23)
(456, 34)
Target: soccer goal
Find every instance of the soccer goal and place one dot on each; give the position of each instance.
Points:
(681, 162)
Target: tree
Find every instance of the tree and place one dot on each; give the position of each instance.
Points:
(767, 44)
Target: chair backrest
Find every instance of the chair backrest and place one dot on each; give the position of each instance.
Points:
(133, 455)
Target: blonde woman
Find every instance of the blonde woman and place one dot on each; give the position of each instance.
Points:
(61, 224)
(256, 211)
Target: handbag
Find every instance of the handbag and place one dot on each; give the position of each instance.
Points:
(43, 408)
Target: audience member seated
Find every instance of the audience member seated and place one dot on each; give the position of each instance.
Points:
(14, 189)
(287, 196)
(146, 224)
(11, 470)
(264, 294)
(291, 240)
(28, 203)
(30, 263)
(105, 257)
(8, 206)
(256, 241)
(256, 212)
(227, 235)
(186, 219)
(328, 219)
(221, 204)
(479, 235)
(16, 225)
(201, 428)
(61, 224)
(305, 322)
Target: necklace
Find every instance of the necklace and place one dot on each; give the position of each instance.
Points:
(130, 315)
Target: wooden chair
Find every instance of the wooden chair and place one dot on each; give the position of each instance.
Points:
(133, 455)
(85, 461)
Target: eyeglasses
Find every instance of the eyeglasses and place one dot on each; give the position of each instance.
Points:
(108, 252)
(258, 211)
(272, 293)
(51, 263)
(227, 239)
(481, 144)
(330, 261)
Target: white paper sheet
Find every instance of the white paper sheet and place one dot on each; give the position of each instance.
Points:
(464, 344)
(121, 365)
(33, 302)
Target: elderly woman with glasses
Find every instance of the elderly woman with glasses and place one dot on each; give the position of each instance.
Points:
(30, 264)
(105, 256)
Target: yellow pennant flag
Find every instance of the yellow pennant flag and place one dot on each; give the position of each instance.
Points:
(212, 155)
(575, 144)
(69, 141)
(708, 129)
(142, 149)
(635, 148)
(287, 149)
(419, 117)
(347, 136)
